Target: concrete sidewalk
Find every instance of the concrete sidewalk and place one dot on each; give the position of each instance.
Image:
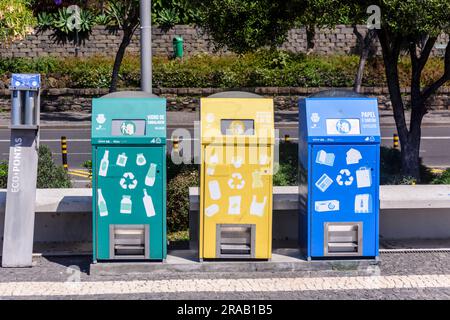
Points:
(424, 275)
(186, 119)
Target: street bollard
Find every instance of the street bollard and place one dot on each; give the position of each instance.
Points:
(64, 152)
(396, 141)
(176, 144)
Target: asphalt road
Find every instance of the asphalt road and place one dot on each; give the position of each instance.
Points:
(434, 149)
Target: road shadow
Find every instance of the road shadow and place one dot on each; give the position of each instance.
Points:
(65, 117)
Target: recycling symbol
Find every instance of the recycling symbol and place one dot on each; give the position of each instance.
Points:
(348, 178)
(236, 181)
(128, 181)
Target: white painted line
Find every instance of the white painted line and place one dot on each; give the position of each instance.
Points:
(423, 138)
(191, 139)
(56, 140)
(22, 289)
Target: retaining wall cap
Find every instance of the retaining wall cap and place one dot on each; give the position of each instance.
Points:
(74, 200)
(79, 200)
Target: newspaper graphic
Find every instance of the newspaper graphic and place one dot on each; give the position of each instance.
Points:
(353, 156)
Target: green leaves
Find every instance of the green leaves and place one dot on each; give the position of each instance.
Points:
(67, 21)
(16, 20)
(49, 175)
(245, 25)
(258, 69)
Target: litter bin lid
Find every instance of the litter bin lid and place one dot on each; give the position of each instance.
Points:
(337, 93)
(235, 94)
(130, 94)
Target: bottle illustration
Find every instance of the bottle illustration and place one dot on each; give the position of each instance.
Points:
(148, 204)
(102, 209)
(151, 174)
(125, 205)
(104, 164)
(140, 160)
(257, 180)
(214, 190)
(122, 160)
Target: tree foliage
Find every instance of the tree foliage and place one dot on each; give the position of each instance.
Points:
(245, 25)
(16, 20)
(410, 26)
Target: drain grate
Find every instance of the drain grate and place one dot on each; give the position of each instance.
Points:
(418, 250)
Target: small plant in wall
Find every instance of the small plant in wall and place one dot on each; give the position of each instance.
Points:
(68, 24)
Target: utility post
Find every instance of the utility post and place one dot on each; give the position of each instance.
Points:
(146, 45)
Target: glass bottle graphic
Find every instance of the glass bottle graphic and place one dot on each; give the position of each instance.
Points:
(102, 208)
(151, 174)
(104, 164)
(125, 205)
(140, 159)
(148, 204)
(122, 160)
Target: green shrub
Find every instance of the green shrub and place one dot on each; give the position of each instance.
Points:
(3, 174)
(391, 165)
(49, 175)
(178, 200)
(287, 174)
(443, 178)
(261, 68)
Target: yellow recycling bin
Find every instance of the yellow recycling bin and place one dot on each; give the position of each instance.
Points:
(237, 142)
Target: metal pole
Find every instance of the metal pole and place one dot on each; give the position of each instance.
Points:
(146, 45)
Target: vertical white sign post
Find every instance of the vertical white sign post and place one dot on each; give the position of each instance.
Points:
(22, 171)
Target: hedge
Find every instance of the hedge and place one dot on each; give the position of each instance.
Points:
(259, 69)
(49, 175)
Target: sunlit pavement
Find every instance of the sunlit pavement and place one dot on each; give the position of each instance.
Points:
(415, 275)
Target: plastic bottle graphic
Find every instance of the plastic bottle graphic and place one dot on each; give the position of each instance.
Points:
(151, 174)
(104, 164)
(125, 205)
(102, 209)
(148, 204)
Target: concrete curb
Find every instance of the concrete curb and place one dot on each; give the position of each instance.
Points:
(286, 260)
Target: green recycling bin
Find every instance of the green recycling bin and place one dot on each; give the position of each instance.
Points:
(129, 178)
(178, 50)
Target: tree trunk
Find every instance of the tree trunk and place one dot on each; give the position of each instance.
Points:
(360, 72)
(310, 35)
(410, 156)
(366, 43)
(126, 39)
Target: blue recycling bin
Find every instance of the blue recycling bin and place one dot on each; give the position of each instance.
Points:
(339, 160)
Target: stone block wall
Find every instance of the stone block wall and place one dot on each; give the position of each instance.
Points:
(340, 40)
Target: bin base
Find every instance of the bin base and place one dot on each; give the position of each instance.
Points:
(187, 261)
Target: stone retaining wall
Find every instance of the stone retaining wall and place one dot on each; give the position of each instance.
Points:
(340, 40)
(181, 99)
